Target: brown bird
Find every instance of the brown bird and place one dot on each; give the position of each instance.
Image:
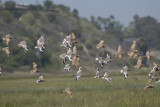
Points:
(139, 63)
(100, 45)
(68, 91)
(149, 85)
(119, 53)
(6, 49)
(7, 38)
(34, 68)
(133, 53)
(148, 55)
(73, 39)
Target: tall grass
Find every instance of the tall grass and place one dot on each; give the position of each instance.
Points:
(87, 91)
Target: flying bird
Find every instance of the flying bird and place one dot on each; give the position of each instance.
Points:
(68, 91)
(40, 43)
(23, 44)
(74, 39)
(106, 77)
(148, 55)
(78, 74)
(107, 59)
(124, 71)
(69, 54)
(97, 73)
(100, 45)
(6, 49)
(67, 67)
(7, 38)
(34, 68)
(64, 57)
(133, 53)
(139, 63)
(119, 53)
(40, 79)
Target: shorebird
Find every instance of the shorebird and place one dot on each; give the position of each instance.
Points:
(67, 67)
(34, 68)
(107, 59)
(100, 61)
(78, 74)
(69, 54)
(73, 39)
(6, 49)
(119, 53)
(39, 46)
(125, 71)
(139, 63)
(40, 79)
(106, 77)
(23, 44)
(40, 43)
(100, 45)
(148, 55)
(68, 91)
(64, 56)
(97, 73)
(149, 85)
(7, 38)
(66, 43)
(153, 72)
(133, 53)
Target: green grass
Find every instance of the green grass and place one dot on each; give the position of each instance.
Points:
(22, 91)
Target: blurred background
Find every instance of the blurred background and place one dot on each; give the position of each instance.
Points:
(116, 22)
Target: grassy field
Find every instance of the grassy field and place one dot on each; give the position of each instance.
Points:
(22, 91)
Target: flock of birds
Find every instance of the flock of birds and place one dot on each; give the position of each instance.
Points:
(71, 59)
(23, 44)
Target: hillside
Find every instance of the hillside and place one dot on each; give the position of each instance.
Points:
(56, 22)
